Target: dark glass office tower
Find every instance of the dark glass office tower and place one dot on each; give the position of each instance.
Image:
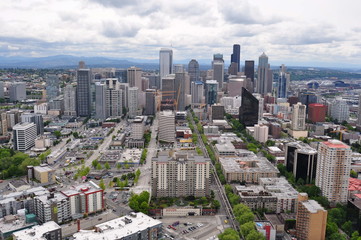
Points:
(248, 112)
(83, 93)
(249, 72)
(193, 71)
(236, 56)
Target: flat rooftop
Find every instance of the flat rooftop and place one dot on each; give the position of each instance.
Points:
(87, 187)
(14, 225)
(243, 164)
(119, 228)
(37, 232)
(312, 206)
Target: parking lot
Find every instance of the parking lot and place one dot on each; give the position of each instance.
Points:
(187, 228)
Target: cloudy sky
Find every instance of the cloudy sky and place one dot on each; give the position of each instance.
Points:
(291, 32)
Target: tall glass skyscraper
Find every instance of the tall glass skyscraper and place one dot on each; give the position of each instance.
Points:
(283, 82)
(248, 112)
(211, 92)
(165, 63)
(264, 78)
(83, 92)
(52, 86)
(236, 56)
(193, 70)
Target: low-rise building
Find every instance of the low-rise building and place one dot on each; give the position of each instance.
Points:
(247, 169)
(43, 174)
(48, 231)
(132, 227)
(52, 207)
(13, 223)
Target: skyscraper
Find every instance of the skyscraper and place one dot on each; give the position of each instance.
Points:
(236, 57)
(150, 102)
(211, 92)
(333, 170)
(283, 82)
(218, 69)
(299, 117)
(17, 91)
(181, 82)
(24, 135)
(134, 77)
(197, 92)
(193, 70)
(340, 109)
(70, 100)
(317, 112)
(83, 92)
(114, 97)
(165, 62)
(166, 131)
(52, 86)
(168, 87)
(37, 119)
(100, 101)
(133, 102)
(264, 78)
(248, 111)
(249, 72)
(359, 111)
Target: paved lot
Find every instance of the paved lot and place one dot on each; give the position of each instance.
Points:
(205, 227)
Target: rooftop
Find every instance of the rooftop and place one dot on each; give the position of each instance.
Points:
(336, 144)
(87, 187)
(36, 232)
(312, 206)
(18, 223)
(246, 164)
(119, 228)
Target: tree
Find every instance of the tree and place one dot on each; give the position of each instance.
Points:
(355, 236)
(216, 204)
(337, 236)
(353, 174)
(101, 184)
(106, 165)
(95, 163)
(119, 166)
(229, 234)
(331, 228)
(347, 227)
(247, 228)
(255, 235)
(99, 166)
(337, 215)
(57, 134)
(144, 206)
(246, 217)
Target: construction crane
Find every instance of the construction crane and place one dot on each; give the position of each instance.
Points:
(339, 131)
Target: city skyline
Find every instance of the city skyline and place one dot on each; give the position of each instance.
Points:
(294, 33)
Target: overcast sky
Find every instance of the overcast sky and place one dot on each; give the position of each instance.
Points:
(289, 31)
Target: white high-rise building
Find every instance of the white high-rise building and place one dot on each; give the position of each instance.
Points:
(166, 131)
(165, 63)
(100, 101)
(333, 170)
(17, 91)
(235, 85)
(218, 72)
(197, 92)
(261, 133)
(138, 128)
(24, 135)
(340, 110)
(264, 78)
(133, 101)
(70, 100)
(113, 98)
(299, 117)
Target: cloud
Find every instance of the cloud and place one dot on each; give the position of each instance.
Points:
(119, 29)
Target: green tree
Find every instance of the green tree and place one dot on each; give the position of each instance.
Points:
(229, 234)
(337, 215)
(144, 207)
(355, 236)
(119, 166)
(106, 165)
(95, 163)
(99, 167)
(347, 227)
(255, 235)
(353, 174)
(331, 228)
(57, 134)
(216, 204)
(247, 228)
(337, 236)
(246, 217)
(101, 184)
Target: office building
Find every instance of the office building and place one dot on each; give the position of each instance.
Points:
(301, 160)
(70, 100)
(34, 118)
(333, 170)
(1, 89)
(218, 69)
(249, 72)
(317, 112)
(298, 117)
(138, 128)
(133, 102)
(311, 219)
(236, 58)
(125, 88)
(359, 111)
(150, 104)
(83, 100)
(100, 101)
(306, 98)
(248, 112)
(217, 112)
(181, 83)
(145, 83)
(235, 86)
(264, 77)
(261, 133)
(131, 227)
(165, 63)
(134, 77)
(197, 92)
(17, 92)
(47, 231)
(283, 83)
(193, 71)
(340, 110)
(84, 198)
(178, 68)
(43, 173)
(121, 75)
(3, 124)
(180, 175)
(24, 135)
(168, 87)
(211, 90)
(166, 129)
(52, 86)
